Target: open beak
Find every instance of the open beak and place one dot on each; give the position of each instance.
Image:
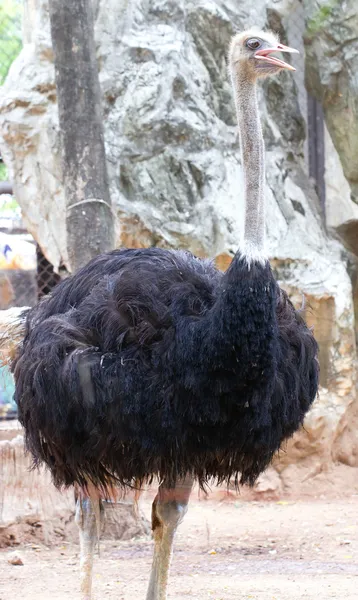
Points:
(264, 55)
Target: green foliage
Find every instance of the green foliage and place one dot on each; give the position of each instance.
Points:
(321, 17)
(10, 34)
(8, 206)
(10, 46)
(3, 172)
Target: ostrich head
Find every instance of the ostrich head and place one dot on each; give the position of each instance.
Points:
(252, 52)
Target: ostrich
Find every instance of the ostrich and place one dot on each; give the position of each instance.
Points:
(152, 363)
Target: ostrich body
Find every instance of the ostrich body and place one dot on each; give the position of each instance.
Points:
(153, 363)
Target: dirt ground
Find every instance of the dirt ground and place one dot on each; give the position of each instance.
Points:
(226, 549)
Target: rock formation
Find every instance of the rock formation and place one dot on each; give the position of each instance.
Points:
(331, 67)
(174, 168)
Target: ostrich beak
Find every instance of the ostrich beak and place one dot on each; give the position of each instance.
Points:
(263, 55)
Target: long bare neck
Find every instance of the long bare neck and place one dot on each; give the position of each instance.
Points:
(253, 153)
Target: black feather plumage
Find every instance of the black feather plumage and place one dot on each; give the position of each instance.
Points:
(153, 362)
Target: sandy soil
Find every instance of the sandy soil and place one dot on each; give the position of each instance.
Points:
(225, 550)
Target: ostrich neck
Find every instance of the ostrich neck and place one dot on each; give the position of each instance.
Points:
(239, 326)
(252, 152)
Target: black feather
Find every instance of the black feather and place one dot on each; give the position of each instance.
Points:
(153, 363)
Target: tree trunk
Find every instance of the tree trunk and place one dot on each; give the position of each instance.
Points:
(89, 219)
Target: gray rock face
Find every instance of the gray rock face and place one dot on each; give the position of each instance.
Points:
(331, 75)
(340, 209)
(173, 154)
(171, 139)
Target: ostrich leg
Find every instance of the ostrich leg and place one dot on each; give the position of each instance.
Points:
(169, 508)
(89, 517)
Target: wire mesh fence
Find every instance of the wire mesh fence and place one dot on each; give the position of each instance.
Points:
(46, 277)
(22, 284)
(24, 279)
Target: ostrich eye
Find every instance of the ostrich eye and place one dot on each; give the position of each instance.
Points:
(253, 44)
